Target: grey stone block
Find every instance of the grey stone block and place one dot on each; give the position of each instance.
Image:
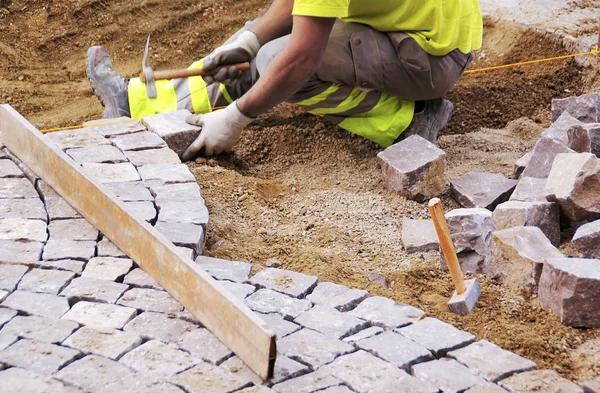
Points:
(150, 300)
(572, 183)
(11, 275)
(142, 210)
(6, 314)
(23, 230)
(395, 349)
(48, 330)
(539, 381)
(111, 173)
(544, 215)
(46, 281)
(587, 240)
(41, 304)
(183, 234)
(286, 368)
(366, 333)
(489, 388)
(521, 164)
(280, 325)
(106, 248)
(338, 296)
(235, 366)
(184, 211)
(138, 141)
(225, 270)
(153, 156)
(130, 191)
(592, 386)
(14, 250)
(73, 229)
(518, 255)
(329, 321)
(27, 172)
(571, 288)
(312, 348)
(25, 381)
(481, 189)
(3, 295)
(158, 326)
(9, 169)
(257, 389)
(104, 268)
(140, 383)
(45, 191)
(37, 356)
(544, 154)
(104, 154)
(202, 345)
(312, 382)
(172, 127)
(419, 236)
(529, 189)
(64, 264)
(119, 126)
(6, 340)
(30, 209)
(82, 137)
(100, 315)
(268, 301)
(139, 278)
(17, 188)
(448, 375)
(238, 290)
(337, 389)
(207, 378)
(110, 343)
(59, 209)
(69, 249)
(92, 373)
(559, 129)
(491, 361)
(93, 289)
(386, 313)
(285, 281)
(585, 107)
(363, 372)
(413, 168)
(437, 336)
(167, 173)
(174, 192)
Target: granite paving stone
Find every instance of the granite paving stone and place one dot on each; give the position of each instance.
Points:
(130, 191)
(312, 382)
(587, 240)
(363, 373)
(153, 157)
(489, 388)
(53, 331)
(585, 107)
(285, 281)
(448, 375)
(167, 173)
(93, 289)
(125, 125)
(544, 215)
(386, 313)
(592, 386)
(539, 381)
(235, 366)
(23, 230)
(14, 250)
(3, 295)
(6, 314)
(9, 169)
(172, 127)
(59, 209)
(82, 137)
(481, 189)
(25, 170)
(329, 321)
(139, 383)
(139, 278)
(194, 212)
(45, 191)
(312, 348)
(25, 381)
(202, 345)
(491, 361)
(280, 325)
(73, 229)
(268, 301)
(529, 189)
(338, 296)
(69, 249)
(6, 340)
(365, 333)
(104, 154)
(37, 356)
(183, 234)
(157, 359)
(138, 141)
(437, 336)
(10, 275)
(63, 264)
(257, 389)
(40, 304)
(150, 300)
(207, 378)
(286, 368)
(17, 188)
(106, 248)
(222, 269)
(100, 315)
(238, 290)
(395, 349)
(143, 210)
(30, 209)
(46, 281)
(163, 327)
(419, 236)
(175, 192)
(337, 389)
(93, 372)
(106, 268)
(110, 343)
(111, 173)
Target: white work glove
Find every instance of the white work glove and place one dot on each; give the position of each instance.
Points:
(243, 49)
(221, 130)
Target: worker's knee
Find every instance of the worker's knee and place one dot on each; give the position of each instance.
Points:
(269, 51)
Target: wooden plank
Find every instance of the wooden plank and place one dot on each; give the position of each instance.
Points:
(247, 335)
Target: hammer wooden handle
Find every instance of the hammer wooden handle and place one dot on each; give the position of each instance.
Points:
(185, 73)
(441, 227)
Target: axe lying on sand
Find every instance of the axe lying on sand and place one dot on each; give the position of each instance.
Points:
(148, 76)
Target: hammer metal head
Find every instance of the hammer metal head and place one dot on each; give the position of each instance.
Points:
(148, 73)
(463, 304)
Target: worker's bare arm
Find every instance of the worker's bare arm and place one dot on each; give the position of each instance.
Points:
(276, 22)
(290, 70)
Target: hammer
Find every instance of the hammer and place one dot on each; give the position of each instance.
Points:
(149, 77)
(467, 292)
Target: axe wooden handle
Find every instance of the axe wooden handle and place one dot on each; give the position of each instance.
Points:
(185, 73)
(441, 227)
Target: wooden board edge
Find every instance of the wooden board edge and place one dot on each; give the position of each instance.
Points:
(244, 332)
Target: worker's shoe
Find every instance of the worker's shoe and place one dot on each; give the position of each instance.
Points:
(107, 84)
(431, 120)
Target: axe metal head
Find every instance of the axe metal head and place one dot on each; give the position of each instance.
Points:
(148, 73)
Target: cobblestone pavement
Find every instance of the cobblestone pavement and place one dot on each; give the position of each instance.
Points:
(79, 316)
